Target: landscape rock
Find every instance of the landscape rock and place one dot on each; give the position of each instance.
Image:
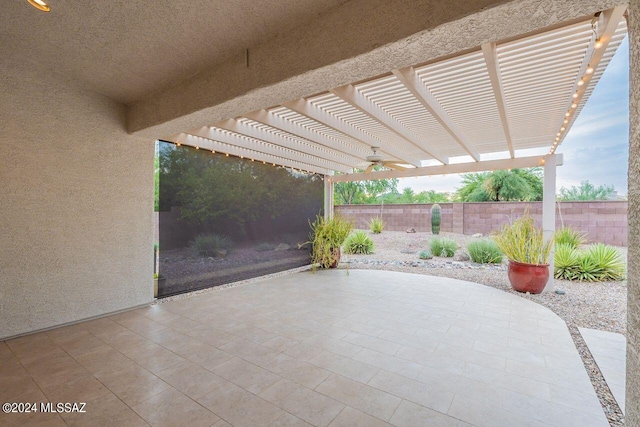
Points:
(461, 256)
(477, 235)
(283, 247)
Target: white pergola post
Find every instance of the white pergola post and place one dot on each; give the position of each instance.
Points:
(328, 197)
(549, 210)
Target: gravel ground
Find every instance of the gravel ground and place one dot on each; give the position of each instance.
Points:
(600, 306)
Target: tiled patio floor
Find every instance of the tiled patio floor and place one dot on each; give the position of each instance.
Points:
(364, 348)
(609, 350)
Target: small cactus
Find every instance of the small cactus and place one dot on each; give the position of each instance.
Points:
(435, 219)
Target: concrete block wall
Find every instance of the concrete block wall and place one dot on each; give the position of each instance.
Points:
(602, 221)
(398, 217)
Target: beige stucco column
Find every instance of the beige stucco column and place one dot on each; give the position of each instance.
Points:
(328, 197)
(633, 299)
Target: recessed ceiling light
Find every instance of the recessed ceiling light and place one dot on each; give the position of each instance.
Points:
(40, 5)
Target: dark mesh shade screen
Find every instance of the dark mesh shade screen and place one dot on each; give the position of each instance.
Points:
(223, 219)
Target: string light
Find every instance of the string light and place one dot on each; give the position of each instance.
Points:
(197, 148)
(567, 114)
(589, 70)
(580, 82)
(598, 43)
(574, 105)
(575, 95)
(213, 151)
(178, 144)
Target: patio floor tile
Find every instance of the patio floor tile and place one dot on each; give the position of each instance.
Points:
(368, 348)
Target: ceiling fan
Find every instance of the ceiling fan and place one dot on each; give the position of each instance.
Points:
(377, 160)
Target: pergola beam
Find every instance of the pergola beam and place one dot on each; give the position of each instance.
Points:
(304, 146)
(219, 147)
(607, 24)
(309, 110)
(351, 95)
(412, 82)
(495, 75)
(519, 162)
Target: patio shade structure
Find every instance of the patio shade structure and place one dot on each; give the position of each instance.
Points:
(502, 105)
(453, 115)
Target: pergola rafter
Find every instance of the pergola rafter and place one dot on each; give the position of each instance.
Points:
(491, 59)
(351, 95)
(493, 101)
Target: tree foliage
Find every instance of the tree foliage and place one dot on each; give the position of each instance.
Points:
(226, 192)
(501, 185)
(362, 192)
(586, 191)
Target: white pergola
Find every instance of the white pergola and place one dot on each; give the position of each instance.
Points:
(502, 105)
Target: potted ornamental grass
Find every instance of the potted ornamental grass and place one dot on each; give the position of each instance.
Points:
(528, 253)
(326, 237)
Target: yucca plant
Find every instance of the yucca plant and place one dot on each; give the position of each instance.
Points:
(522, 241)
(569, 236)
(376, 225)
(485, 251)
(597, 263)
(565, 261)
(608, 261)
(358, 243)
(443, 247)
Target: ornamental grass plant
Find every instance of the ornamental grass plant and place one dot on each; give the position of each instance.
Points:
(522, 241)
(358, 242)
(485, 251)
(326, 237)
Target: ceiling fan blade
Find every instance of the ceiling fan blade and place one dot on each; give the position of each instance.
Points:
(394, 166)
(369, 168)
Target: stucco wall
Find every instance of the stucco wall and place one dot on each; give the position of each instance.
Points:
(604, 221)
(633, 291)
(76, 206)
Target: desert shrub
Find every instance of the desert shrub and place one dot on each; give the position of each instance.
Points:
(211, 245)
(608, 261)
(443, 247)
(565, 261)
(597, 263)
(376, 225)
(426, 254)
(485, 251)
(358, 243)
(264, 247)
(569, 236)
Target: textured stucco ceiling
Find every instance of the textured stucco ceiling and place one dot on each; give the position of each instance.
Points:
(128, 49)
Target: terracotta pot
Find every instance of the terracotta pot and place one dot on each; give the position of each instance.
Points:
(530, 278)
(336, 257)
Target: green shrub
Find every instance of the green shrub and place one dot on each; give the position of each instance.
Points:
(264, 247)
(211, 245)
(376, 225)
(443, 247)
(597, 263)
(485, 251)
(358, 243)
(569, 236)
(426, 254)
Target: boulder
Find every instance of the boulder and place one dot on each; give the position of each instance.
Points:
(478, 235)
(461, 256)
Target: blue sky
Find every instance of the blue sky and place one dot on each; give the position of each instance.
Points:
(595, 149)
